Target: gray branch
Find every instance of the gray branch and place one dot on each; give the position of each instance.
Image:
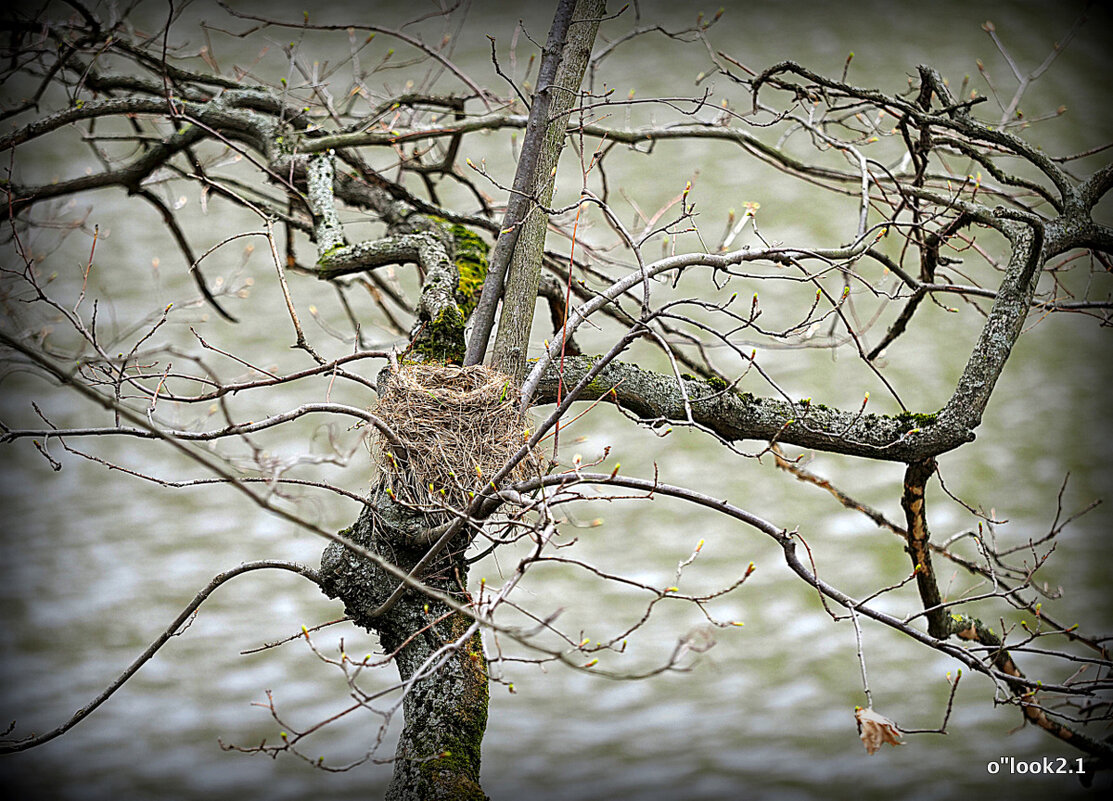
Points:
(734, 417)
(1001, 330)
(521, 196)
(401, 249)
(326, 222)
(524, 269)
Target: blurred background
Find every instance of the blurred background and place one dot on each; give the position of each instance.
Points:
(94, 562)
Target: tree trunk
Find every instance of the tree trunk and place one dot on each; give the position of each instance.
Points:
(439, 653)
(524, 273)
(571, 36)
(443, 666)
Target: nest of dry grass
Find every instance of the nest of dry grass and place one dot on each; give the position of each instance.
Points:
(459, 426)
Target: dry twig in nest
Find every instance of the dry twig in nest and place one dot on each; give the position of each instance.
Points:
(459, 425)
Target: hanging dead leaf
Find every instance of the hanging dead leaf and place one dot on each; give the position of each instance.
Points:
(875, 729)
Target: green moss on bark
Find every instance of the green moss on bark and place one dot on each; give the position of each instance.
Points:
(454, 772)
(915, 420)
(471, 265)
(442, 340)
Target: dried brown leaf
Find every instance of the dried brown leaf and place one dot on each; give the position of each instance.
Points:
(875, 730)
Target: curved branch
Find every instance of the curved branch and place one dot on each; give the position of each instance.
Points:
(1078, 231)
(206, 461)
(227, 118)
(1001, 330)
(227, 431)
(368, 255)
(1095, 187)
(187, 251)
(953, 116)
(84, 111)
(714, 260)
(787, 541)
(942, 624)
(417, 44)
(10, 747)
(655, 397)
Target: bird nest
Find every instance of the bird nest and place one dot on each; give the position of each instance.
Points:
(458, 425)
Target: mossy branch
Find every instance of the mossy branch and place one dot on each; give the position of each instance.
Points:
(942, 624)
(733, 416)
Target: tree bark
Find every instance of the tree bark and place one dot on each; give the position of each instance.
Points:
(912, 501)
(439, 656)
(524, 272)
(528, 179)
(735, 416)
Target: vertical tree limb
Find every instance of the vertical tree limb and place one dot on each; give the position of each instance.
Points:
(520, 198)
(319, 192)
(438, 650)
(912, 501)
(520, 292)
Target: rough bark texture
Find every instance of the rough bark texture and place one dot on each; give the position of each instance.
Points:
(1001, 330)
(1044, 212)
(520, 291)
(736, 416)
(518, 204)
(912, 501)
(445, 706)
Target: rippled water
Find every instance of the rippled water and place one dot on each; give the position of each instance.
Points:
(96, 563)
